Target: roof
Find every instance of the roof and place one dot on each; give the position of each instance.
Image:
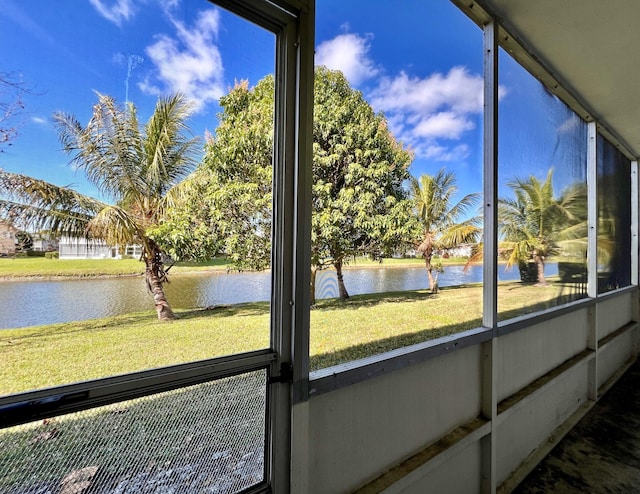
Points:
(590, 47)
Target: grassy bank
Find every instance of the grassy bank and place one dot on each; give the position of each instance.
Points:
(340, 332)
(26, 267)
(39, 267)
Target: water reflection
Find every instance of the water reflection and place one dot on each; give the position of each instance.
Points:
(29, 303)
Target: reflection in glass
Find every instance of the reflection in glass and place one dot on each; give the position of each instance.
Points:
(542, 205)
(614, 217)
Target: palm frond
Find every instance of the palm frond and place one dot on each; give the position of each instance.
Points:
(457, 234)
(109, 149)
(170, 155)
(116, 226)
(41, 205)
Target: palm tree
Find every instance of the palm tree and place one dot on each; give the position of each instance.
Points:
(439, 217)
(140, 170)
(534, 223)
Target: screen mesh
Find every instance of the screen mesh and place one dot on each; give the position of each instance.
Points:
(207, 437)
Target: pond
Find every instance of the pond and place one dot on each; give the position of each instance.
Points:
(30, 303)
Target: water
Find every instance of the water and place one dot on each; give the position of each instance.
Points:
(30, 303)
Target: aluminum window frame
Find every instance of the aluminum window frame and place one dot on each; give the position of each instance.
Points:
(496, 34)
(292, 22)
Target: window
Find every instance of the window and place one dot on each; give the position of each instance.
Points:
(206, 422)
(100, 320)
(397, 176)
(542, 196)
(614, 217)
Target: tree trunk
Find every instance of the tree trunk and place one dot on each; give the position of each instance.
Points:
(314, 272)
(433, 286)
(155, 278)
(344, 295)
(539, 260)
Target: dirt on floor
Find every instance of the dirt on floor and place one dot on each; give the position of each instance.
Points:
(602, 453)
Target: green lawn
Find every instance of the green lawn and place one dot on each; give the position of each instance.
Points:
(361, 262)
(340, 331)
(19, 267)
(175, 427)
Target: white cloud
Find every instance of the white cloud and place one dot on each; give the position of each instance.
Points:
(569, 125)
(458, 91)
(118, 12)
(431, 115)
(447, 124)
(39, 120)
(190, 62)
(445, 153)
(348, 53)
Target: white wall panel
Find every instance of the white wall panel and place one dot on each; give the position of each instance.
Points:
(614, 355)
(614, 311)
(531, 422)
(528, 354)
(461, 474)
(360, 431)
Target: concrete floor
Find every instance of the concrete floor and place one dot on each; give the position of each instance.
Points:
(602, 453)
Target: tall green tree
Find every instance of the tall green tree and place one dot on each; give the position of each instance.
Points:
(239, 183)
(444, 223)
(228, 210)
(358, 201)
(359, 204)
(139, 169)
(534, 222)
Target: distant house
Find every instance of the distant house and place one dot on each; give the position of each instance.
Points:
(7, 239)
(83, 248)
(462, 250)
(43, 242)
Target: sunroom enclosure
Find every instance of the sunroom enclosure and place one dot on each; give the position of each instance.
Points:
(469, 412)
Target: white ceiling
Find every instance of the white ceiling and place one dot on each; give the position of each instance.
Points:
(592, 47)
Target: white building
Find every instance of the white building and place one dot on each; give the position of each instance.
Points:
(82, 248)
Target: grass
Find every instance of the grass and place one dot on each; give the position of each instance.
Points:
(149, 441)
(24, 267)
(365, 325)
(207, 430)
(363, 262)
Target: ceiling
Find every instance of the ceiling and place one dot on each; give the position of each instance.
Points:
(592, 47)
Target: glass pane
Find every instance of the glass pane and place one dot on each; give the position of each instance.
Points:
(204, 438)
(542, 212)
(614, 217)
(157, 93)
(397, 173)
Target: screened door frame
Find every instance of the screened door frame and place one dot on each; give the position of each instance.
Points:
(293, 23)
(287, 359)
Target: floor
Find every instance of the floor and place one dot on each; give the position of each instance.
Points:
(602, 453)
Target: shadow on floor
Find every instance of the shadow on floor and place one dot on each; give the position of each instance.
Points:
(602, 453)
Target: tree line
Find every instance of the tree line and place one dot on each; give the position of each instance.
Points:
(364, 199)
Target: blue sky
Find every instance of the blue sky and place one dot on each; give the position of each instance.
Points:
(425, 77)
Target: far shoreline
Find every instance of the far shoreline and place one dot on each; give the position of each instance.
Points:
(193, 272)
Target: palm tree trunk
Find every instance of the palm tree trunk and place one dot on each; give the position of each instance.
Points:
(155, 279)
(539, 260)
(342, 290)
(314, 272)
(428, 254)
(432, 281)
